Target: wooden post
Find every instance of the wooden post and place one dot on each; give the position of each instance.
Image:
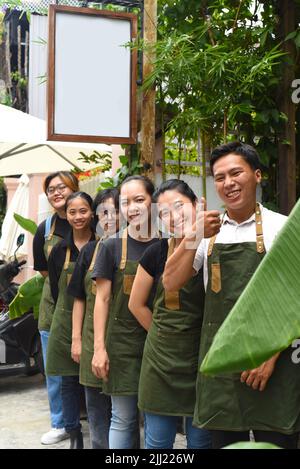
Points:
(148, 102)
(287, 146)
(26, 68)
(19, 76)
(7, 56)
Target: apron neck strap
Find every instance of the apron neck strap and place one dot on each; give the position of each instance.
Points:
(213, 238)
(52, 229)
(91, 267)
(171, 243)
(67, 258)
(260, 247)
(124, 249)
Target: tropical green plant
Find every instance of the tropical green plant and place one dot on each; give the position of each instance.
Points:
(26, 223)
(30, 292)
(251, 445)
(265, 319)
(28, 297)
(181, 152)
(130, 165)
(218, 72)
(19, 80)
(103, 159)
(12, 3)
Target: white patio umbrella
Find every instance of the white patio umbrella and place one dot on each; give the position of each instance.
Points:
(10, 228)
(24, 148)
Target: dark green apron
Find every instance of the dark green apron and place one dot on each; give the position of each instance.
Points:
(59, 360)
(86, 376)
(125, 337)
(47, 305)
(223, 402)
(170, 359)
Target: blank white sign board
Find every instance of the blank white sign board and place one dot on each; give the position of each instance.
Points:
(92, 76)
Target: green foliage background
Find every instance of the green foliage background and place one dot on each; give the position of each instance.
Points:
(218, 71)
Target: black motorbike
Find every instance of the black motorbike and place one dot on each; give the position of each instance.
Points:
(20, 346)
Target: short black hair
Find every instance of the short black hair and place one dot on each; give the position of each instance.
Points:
(102, 196)
(147, 183)
(175, 185)
(247, 152)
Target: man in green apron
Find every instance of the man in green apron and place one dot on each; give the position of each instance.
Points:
(265, 400)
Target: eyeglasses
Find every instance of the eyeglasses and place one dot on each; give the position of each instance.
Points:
(59, 188)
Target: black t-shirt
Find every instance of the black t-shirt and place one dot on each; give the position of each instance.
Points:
(109, 258)
(57, 259)
(155, 258)
(62, 229)
(76, 286)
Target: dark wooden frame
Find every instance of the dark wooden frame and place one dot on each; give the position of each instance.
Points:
(53, 9)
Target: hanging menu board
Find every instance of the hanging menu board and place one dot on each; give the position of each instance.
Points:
(91, 75)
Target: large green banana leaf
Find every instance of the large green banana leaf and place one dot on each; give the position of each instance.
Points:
(266, 317)
(26, 223)
(27, 298)
(251, 445)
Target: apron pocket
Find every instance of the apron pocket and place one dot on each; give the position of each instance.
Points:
(172, 300)
(127, 283)
(128, 324)
(216, 278)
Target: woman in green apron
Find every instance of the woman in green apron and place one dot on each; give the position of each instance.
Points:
(83, 289)
(167, 388)
(79, 210)
(57, 187)
(118, 351)
(265, 400)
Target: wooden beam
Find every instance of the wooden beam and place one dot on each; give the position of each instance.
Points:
(287, 145)
(148, 101)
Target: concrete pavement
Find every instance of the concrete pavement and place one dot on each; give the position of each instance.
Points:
(24, 415)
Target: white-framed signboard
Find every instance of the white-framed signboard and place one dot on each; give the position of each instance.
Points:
(91, 75)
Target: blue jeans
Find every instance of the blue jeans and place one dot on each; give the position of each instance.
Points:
(160, 433)
(98, 407)
(53, 388)
(70, 393)
(124, 426)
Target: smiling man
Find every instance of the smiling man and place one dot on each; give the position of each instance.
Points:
(267, 399)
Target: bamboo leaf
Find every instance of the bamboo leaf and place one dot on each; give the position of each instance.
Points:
(266, 317)
(291, 35)
(297, 40)
(123, 159)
